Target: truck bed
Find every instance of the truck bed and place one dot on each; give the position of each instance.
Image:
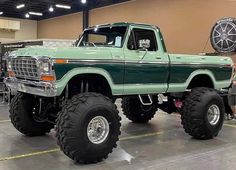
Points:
(231, 55)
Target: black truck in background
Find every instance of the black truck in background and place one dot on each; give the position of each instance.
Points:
(6, 48)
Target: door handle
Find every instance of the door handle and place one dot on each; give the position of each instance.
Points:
(158, 58)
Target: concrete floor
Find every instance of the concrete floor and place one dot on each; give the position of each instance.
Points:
(161, 144)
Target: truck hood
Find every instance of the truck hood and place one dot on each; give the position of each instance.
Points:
(200, 59)
(65, 53)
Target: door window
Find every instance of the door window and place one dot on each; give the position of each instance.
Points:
(144, 35)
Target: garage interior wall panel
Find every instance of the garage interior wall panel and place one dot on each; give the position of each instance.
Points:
(186, 24)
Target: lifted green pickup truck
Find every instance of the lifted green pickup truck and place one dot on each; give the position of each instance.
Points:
(75, 88)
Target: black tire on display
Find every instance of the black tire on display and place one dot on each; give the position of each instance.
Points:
(136, 112)
(21, 115)
(223, 35)
(203, 113)
(88, 127)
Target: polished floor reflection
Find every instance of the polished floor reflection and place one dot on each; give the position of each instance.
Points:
(161, 144)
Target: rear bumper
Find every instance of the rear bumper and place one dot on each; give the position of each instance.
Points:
(46, 89)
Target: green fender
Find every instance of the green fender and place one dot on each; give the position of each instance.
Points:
(201, 72)
(180, 87)
(61, 84)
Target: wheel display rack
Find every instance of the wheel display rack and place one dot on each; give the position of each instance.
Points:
(223, 35)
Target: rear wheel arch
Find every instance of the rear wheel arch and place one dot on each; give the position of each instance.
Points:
(201, 80)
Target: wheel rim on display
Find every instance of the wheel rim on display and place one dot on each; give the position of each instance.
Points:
(98, 130)
(224, 36)
(213, 114)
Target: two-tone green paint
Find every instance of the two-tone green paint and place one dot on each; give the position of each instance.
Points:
(147, 71)
(126, 71)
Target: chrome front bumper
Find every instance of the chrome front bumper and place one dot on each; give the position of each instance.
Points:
(46, 89)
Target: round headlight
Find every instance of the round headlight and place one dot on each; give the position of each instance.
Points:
(44, 67)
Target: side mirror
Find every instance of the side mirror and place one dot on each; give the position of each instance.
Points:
(144, 44)
(131, 47)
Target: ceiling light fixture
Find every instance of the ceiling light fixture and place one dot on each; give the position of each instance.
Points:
(83, 1)
(1, 13)
(20, 6)
(51, 9)
(36, 13)
(27, 15)
(63, 6)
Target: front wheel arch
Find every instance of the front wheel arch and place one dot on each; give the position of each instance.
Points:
(89, 83)
(62, 83)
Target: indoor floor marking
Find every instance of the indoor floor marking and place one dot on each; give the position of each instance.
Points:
(142, 136)
(4, 121)
(229, 125)
(57, 149)
(29, 154)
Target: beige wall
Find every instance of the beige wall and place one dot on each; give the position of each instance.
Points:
(66, 27)
(28, 31)
(186, 24)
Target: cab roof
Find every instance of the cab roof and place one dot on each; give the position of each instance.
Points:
(123, 24)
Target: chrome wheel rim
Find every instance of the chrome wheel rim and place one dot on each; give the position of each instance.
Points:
(98, 130)
(224, 36)
(213, 114)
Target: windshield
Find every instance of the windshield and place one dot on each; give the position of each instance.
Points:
(103, 37)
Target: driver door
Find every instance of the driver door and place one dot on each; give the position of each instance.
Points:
(146, 70)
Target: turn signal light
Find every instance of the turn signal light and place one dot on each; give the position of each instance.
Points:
(11, 74)
(47, 78)
(61, 61)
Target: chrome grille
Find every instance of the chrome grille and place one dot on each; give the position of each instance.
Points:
(25, 68)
